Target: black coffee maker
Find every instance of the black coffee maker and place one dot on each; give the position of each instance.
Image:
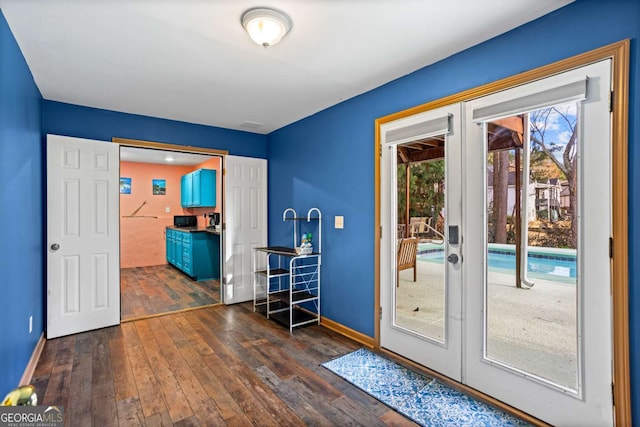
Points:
(214, 219)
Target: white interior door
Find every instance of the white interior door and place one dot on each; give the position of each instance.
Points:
(421, 306)
(546, 350)
(83, 265)
(245, 192)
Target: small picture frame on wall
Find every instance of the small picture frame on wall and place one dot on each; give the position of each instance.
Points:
(125, 185)
(159, 187)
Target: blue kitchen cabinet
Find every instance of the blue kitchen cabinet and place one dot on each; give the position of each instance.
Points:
(171, 246)
(178, 249)
(185, 190)
(197, 254)
(198, 189)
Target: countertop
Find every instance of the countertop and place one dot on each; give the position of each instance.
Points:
(209, 230)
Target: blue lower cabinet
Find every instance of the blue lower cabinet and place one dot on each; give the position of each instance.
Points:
(171, 247)
(178, 250)
(196, 254)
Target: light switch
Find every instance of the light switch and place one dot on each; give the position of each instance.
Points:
(339, 221)
(167, 209)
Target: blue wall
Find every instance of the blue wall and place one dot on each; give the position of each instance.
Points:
(93, 123)
(21, 247)
(326, 160)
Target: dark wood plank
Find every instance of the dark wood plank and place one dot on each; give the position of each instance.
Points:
(162, 289)
(123, 377)
(130, 413)
(149, 394)
(203, 406)
(214, 366)
(173, 395)
(104, 411)
(81, 387)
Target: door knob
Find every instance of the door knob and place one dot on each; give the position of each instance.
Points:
(453, 258)
(55, 247)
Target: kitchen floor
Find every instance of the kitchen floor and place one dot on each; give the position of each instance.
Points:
(147, 291)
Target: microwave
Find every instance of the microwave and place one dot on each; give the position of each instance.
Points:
(185, 221)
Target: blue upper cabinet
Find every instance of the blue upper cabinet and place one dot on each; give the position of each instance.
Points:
(185, 190)
(198, 189)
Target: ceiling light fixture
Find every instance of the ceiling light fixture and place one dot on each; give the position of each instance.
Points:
(266, 26)
(168, 159)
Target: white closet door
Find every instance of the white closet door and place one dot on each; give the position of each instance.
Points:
(245, 218)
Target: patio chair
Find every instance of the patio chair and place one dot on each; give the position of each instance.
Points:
(407, 254)
(418, 227)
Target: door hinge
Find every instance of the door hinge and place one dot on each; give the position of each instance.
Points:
(613, 395)
(611, 247)
(611, 98)
(381, 232)
(224, 171)
(380, 314)
(380, 150)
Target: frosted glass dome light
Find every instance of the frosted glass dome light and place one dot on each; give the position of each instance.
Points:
(266, 26)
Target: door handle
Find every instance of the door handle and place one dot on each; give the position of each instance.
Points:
(55, 247)
(453, 258)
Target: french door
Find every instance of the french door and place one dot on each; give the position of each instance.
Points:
(524, 315)
(421, 305)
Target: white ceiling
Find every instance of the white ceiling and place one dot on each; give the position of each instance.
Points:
(162, 157)
(191, 60)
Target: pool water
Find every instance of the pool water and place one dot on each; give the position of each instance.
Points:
(539, 265)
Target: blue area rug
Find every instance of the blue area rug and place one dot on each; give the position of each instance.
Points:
(424, 400)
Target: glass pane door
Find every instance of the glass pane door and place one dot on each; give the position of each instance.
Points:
(421, 192)
(421, 283)
(532, 240)
(537, 223)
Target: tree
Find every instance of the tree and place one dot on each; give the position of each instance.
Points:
(426, 189)
(554, 132)
(500, 195)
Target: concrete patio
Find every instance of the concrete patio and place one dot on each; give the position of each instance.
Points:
(533, 330)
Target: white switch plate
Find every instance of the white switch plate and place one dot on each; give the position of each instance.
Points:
(30, 324)
(339, 221)
(167, 209)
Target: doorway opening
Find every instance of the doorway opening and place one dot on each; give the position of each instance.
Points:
(152, 282)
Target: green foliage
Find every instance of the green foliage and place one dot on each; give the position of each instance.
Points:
(426, 189)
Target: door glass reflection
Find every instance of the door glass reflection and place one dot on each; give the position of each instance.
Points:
(531, 289)
(421, 283)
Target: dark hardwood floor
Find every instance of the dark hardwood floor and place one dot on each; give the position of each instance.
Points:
(146, 291)
(221, 365)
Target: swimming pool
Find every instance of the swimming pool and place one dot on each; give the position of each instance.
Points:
(542, 263)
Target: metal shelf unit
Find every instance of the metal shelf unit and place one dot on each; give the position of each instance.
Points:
(286, 285)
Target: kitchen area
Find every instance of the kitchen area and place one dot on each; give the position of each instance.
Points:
(170, 231)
